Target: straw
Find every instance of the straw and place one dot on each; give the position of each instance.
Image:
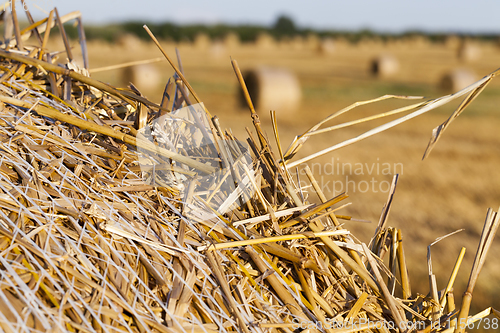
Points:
(487, 236)
(103, 229)
(472, 90)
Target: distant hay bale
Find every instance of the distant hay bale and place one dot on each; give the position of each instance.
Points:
(231, 40)
(144, 77)
(312, 42)
(452, 42)
(265, 41)
(202, 41)
(297, 42)
(457, 79)
(469, 51)
(217, 49)
(340, 42)
(385, 65)
(129, 42)
(272, 89)
(375, 43)
(326, 46)
(417, 41)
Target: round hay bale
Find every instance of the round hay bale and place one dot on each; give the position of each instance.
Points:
(416, 42)
(231, 40)
(385, 65)
(265, 41)
(312, 42)
(202, 41)
(469, 51)
(144, 77)
(272, 89)
(457, 79)
(452, 42)
(297, 43)
(326, 46)
(218, 50)
(129, 42)
(374, 43)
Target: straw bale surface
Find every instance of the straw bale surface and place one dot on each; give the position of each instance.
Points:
(129, 42)
(265, 41)
(469, 51)
(231, 40)
(273, 89)
(202, 41)
(326, 46)
(144, 76)
(385, 65)
(457, 79)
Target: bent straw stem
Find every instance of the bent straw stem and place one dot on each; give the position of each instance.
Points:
(125, 64)
(362, 120)
(273, 239)
(489, 230)
(301, 139)
(184, 80)
(453, 276)
(426, 108)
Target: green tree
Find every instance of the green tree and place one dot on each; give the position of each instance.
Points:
(284, 26)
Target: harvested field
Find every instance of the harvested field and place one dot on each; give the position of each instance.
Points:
(95, 237)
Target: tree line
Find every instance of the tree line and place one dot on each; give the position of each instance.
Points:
(283, 28)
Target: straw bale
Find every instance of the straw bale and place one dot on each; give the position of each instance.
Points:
(469, 51)
(312, 42)
(121, 215)
(202, 41)
(218, 49)
(326, 46)
(231, 40)
(452, 42)
(338, 43)
(369, 44)
(297, 43)
(265, 41)
(457, 79)
(273, 89)
(418, 41)
(129, 42)
(384, 65)
(145, 76)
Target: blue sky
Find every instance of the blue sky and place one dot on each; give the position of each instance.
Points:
(381, 15)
